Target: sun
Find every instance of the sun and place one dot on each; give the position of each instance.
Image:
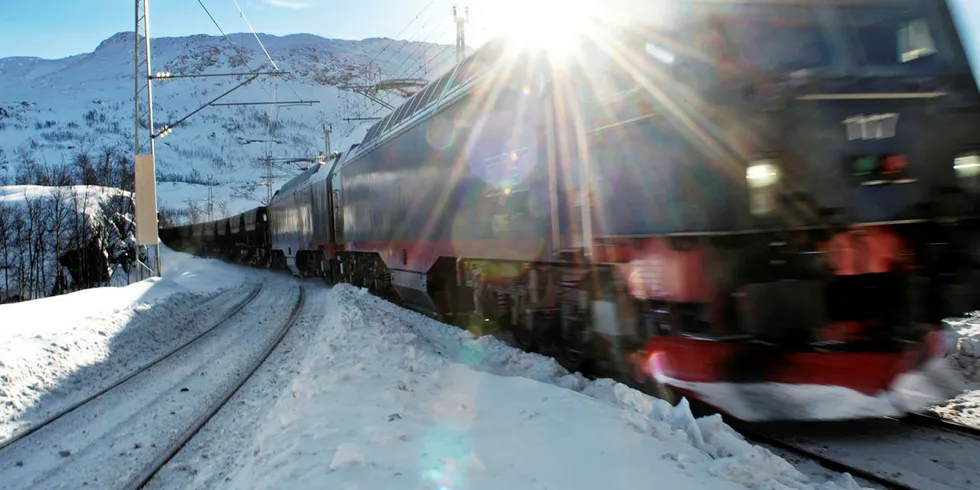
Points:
(552, 25)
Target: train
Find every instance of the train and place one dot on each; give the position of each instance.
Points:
(750, 203)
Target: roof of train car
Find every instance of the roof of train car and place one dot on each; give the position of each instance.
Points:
(204, 223)
(296, 182)
(419, 106)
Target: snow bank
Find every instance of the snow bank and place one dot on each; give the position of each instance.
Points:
(56, 350)
(963, 336)
(963, 347)
(386, 398)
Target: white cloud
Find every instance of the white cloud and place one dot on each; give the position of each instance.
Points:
(290, 4)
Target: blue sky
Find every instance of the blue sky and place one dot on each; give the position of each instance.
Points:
(58, 28)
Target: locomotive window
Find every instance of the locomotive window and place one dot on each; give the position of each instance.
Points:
(416, 102)
(475, 65)
(428, 92)
(384, 124)
(890, 35)
(915, 41)
(399, 115)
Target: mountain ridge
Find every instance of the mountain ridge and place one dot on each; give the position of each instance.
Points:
(52, 111)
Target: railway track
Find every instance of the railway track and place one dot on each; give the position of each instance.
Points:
(145, 418)
(927, 420)
(160, 462)
(885, 479)
(833, 464)
(917, 452)
(74, 406)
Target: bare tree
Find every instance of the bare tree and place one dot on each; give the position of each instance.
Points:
(8, 215)
(249, 191)
(84, 169)
(20, 237)
(35, 246)
(59, 231)
(194, 211)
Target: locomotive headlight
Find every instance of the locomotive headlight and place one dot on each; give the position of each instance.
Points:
(762, 177)
(967, 169)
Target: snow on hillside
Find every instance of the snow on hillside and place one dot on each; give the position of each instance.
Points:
(39, 224)
(53, 110)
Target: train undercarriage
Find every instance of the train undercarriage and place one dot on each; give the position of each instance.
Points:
(672, 314)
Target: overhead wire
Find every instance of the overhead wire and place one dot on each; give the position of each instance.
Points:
(233, 47)
(408, 41)
(264, 50)
(240, 11)
(390, 42)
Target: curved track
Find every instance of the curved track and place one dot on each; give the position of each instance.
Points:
(123, 435)
(168, 453)
(918, 452)
(74, 406)
(926, 420)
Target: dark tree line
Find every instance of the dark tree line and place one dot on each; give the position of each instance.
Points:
(67, 237)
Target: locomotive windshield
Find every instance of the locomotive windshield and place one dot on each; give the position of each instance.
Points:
(896, 38)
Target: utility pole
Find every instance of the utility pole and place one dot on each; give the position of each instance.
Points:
(326, 134)
(461, 33)
(210, 197)
(144, 162)
(268, 178)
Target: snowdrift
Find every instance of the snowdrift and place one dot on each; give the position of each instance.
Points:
(54, 351)
(386, 398)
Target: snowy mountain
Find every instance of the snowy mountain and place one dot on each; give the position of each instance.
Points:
(52, 111)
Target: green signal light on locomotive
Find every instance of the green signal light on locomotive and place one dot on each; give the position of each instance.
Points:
(865, 165)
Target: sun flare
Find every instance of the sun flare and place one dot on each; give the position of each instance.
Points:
(553, 25)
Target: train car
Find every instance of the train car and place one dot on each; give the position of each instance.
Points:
(740, 200)
(240, 238)
(301, 223)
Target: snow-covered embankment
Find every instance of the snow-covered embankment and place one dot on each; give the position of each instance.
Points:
(386, 398)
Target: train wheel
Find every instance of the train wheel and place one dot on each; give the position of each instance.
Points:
(571, 357)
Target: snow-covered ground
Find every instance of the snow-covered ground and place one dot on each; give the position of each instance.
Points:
(55, 351)
(363, 394)
(963, 346)
(380, 397)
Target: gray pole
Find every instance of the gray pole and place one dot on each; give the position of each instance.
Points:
(136, 98)
(142, 57)
(461, 21)
(149, 98)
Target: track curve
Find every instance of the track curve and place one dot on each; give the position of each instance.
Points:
(151, 470)
(912, 453)
(74, 406)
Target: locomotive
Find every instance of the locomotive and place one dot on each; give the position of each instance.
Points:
(749, 202)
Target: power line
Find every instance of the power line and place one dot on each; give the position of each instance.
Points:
(256, 36)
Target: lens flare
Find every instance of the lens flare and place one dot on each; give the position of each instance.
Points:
(551, 25)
